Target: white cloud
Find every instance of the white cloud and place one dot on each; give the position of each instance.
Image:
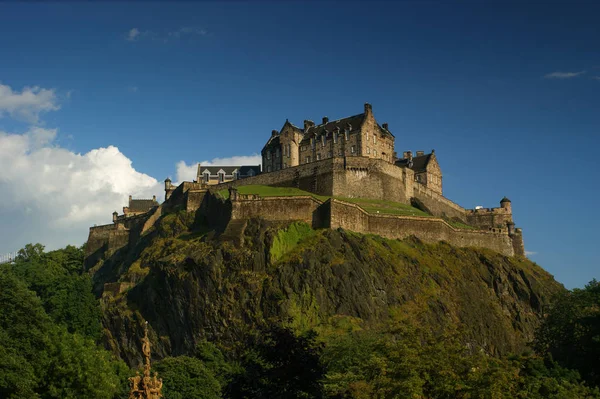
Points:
(28, 104)
(52, 195)
(135, 34)
(563, 75)
(187, 172)
(530, 253)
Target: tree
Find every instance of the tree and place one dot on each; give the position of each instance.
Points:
(570, 333)
(187, 377)
(280, 365)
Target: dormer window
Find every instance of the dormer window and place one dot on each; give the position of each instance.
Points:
(221, 175)
(206, 176)
(236, 174)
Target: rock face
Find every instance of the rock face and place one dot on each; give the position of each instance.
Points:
(191, 286)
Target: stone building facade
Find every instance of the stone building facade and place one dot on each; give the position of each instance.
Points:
(355, 136)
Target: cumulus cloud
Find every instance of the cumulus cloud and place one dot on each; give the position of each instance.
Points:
(52, 195)
(563, 75)
(28, 104)
(187, 172)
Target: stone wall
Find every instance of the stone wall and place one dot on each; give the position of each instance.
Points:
(104, 241)
(350, 177)
(302, 208)
(429, 229)
(437, 204)
(489, 217)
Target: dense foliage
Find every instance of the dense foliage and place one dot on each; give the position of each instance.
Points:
(49, 321)
(571, 331)
(50, 332)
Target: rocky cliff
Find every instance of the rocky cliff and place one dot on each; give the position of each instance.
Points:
(191, 285)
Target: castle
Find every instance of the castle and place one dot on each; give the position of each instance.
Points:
(340, 160)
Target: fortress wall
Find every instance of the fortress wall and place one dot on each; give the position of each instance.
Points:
(303, 208)
(194, 199)
(156, 214)
(351, 217)
(363, 177)
(437, 204)
(316, 177)
(488, 218)
(104, 240)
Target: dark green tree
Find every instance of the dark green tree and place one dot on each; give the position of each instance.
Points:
(280, 364)
(187, 377)
(570, 333)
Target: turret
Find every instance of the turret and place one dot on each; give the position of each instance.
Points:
(168, 188)
(506, 204)
(115, 215)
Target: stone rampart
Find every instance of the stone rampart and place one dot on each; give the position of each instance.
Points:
(437, 204)
(302, 208)
(489, 217)
(429, 229)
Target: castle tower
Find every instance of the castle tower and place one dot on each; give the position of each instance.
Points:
(506, 204)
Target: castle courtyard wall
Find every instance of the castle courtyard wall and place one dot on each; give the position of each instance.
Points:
(300, 208)
(352, 217)
(437, 204)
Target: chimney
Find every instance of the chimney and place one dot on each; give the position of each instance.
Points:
(405, 155)
(325, 120)
(154, 198)
(420, 153)
(385, 126)
(307, 124)
(130, 199)
(115, 214)
(274, 133)
(368, 108)
(409, 155)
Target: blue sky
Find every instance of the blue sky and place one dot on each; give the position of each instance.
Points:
(507, 94)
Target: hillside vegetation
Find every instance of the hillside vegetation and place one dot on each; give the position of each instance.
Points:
(295, 313)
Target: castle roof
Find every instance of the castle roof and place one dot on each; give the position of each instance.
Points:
(419, 163)
(355, 122)
(141, 205)
(243, 170)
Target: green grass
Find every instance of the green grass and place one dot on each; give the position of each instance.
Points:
(386, 207)
(287, 239)
(268, 191)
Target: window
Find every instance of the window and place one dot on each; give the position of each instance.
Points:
(374, 139)
(347, 134)
(269, 155)
(284, 165)
(206, 176)
(318, 157)
(368, 150)
(312, 142)
(221, 176)
(277, 153)
(268, 168)
(329, 154)
(340, 153)
(323, 140)
(367, 136)
(334, 137)
(251, 172)
(235, 175)
(353, 149)
(289, 150)
(418, 177)
(375, 153)
(307, 159)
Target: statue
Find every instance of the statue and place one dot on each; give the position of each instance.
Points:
(145, 387)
